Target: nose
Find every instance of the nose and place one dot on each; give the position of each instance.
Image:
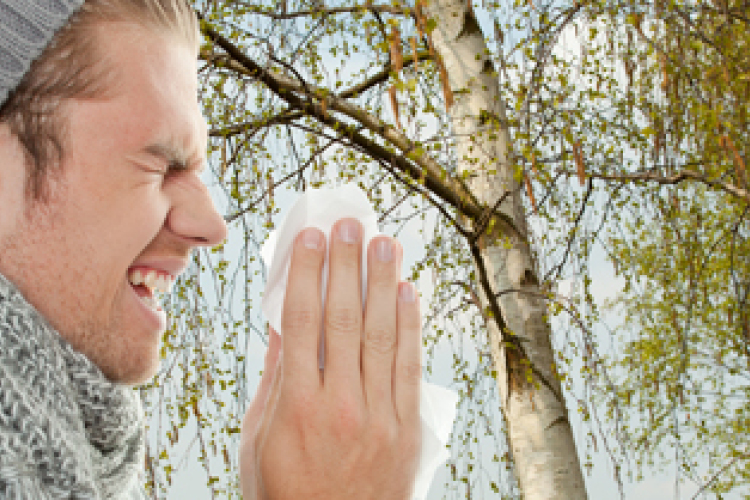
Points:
(194, 217)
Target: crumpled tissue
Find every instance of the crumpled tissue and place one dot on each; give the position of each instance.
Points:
(321, 208)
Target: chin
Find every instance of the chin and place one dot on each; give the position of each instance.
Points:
(133, 376)
(134, 369)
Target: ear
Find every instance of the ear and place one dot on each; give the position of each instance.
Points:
(12, 179)
(9, 146)
(5, 133)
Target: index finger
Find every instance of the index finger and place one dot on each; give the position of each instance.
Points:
(301, 314)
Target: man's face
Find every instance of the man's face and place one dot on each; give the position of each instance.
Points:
(129, 198)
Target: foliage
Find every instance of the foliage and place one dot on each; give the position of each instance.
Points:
(653, 115)
(683, 246)
(628, 123)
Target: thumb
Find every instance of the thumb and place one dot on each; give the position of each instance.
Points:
(251, 424)
(254, 412)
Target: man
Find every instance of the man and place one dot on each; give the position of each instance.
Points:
(101, 147)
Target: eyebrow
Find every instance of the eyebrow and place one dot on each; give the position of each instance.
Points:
(174, 156)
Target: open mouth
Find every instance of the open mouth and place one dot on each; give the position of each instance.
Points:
(150, 285)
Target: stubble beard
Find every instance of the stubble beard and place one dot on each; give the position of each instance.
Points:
(40, 262)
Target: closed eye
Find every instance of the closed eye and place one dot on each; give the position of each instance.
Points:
(170, 157)
(176, 167)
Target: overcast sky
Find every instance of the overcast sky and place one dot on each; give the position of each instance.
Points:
(189, 480)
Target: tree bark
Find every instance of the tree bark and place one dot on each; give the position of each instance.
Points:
(539, 432)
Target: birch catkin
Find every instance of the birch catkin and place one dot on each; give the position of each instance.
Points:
(419, 14)
(397, 57)
(739, 163)
(394, 105)
(580, 166)
(444, 83)
(530, 191)
(397, 63)
(413, 43)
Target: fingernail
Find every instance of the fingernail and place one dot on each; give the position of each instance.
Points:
(312, 239)
(406, 292)
(349, 231)
(384, 250)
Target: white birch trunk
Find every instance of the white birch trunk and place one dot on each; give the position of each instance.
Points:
(539, 432)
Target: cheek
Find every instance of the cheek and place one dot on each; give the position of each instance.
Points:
(123, 228)
(143, 223)
(116, 208)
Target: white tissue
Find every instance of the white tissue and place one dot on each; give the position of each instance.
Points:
(321, 208)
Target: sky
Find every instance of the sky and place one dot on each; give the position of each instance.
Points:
(189, 479)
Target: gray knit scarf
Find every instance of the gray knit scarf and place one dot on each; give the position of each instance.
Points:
(66, 432)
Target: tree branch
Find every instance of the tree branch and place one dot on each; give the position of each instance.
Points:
(284, 117)
(278, 183)
(719, 473)
(274, 14)
(559, 267)
(674, 179)
(383, 75)
(507, 336)
(380, 77)
(418, 166)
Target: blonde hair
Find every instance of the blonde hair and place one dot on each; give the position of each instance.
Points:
(72, 66)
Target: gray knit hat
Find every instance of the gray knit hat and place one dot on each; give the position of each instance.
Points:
(26, 27)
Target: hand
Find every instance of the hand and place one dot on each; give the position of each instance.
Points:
(251, 424)
(353, 429)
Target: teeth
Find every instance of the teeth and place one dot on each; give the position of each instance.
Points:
(150, 279)
(136, 278)
(151, 302)
(156, 282)
(162, 284)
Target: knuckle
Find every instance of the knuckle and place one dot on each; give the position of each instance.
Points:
(308, 261)
(298, 319)
(342, 320)
(383, 276)
(345, 260)
(349, 420)
(380, 340)
(410, 373)
(383, 433)
(346, 265)
(411, 442)
(300, 408)
(410, 320)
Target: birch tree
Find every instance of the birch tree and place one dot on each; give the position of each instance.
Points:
(538, 428)
(683, 371)
(515, 162)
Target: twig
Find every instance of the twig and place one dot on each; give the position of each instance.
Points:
(674, 179)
